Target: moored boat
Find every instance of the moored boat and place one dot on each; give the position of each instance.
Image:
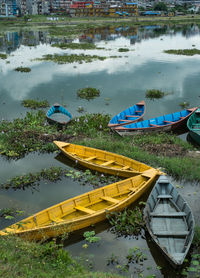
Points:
(129, 115)
(102, 161)
(170, 122)
(83, 210)
(58, 114)
(169, 221)
(193, 125)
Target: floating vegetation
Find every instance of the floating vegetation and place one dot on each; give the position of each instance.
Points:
(123, 49)
(54, 174)
(72, 58)
(75, 45)
(23, 69)
(154, 93)
(90, 237)
(10, 213)
(34, 104)
(188, 52)
(126, 223)
(80, 109)
(184, 104)
(3, 56)
(88, 93)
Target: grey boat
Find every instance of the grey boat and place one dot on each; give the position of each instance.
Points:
(169, 221)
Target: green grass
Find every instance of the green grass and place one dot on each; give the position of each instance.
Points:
(3, 56)
(23, 69)
(154, 93)
(88, 93)
(32, 133)
(24, 259)
(75, 45)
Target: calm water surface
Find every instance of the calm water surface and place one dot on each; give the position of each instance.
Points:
(122, 82)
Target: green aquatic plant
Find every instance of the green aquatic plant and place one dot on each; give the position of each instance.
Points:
(123, 49)
(184, 104)
(74, 45)
(70, 58)
(3, 56)
(88, 93)
(90, 237)
(23, 69)
(154, 93)
(187, 52)
(126, 223)
(34, 104)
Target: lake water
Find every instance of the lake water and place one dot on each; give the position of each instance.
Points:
(122, 82)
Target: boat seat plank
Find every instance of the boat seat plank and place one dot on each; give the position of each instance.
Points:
(56, 219)
(130, 116)
(107, 163)
(125, 121)
(169, 122)
(110, 199)
(171, 233)
(138, 111)
(132, 190)
(125, 167)
(86, 210)
(90, 158)
(164, 196)
(65, 145)
(154, 125)
(165, 214)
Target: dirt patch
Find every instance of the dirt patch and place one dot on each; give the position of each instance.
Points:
(169, 150)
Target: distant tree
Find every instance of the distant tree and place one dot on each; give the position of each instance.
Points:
(161, 6)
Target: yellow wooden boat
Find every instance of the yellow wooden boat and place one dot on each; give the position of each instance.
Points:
(83, 210)
(102, 161)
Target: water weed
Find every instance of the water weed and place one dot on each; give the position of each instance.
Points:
(34, 104)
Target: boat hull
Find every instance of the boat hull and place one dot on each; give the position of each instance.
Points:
(130, 115)
(102, 161)
(193, 125)
(169, 221)
(167, 127)
(89, 208)
(57, 114)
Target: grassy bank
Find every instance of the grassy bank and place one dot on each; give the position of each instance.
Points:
(33, 133)
(24, 259)
(86, 22)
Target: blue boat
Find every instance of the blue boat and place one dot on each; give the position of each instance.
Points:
(57, 114)
(170, 122)
(128, 116)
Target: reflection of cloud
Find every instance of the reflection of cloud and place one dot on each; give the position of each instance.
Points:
(148, 51)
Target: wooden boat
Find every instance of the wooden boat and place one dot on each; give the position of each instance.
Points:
(193, 125)
(58, 114)
(83, 210)
(169, 220)
(102, 161)
(129, 115)
(169, 122)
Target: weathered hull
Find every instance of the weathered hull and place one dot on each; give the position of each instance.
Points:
(121, 166)
(169, 221)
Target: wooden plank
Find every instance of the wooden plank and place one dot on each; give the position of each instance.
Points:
(56, 219)
(138, 111)
(86, 210)
(124, 121)
(169, 122)
(90, 158)
(110, 199)
(107, 163)
(168, 214)
(171, 234)
(154, 125)
(164, 196)
(125, 167)
(130, 116)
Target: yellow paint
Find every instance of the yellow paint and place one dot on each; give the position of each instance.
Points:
(102, 161)
(83, 210)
